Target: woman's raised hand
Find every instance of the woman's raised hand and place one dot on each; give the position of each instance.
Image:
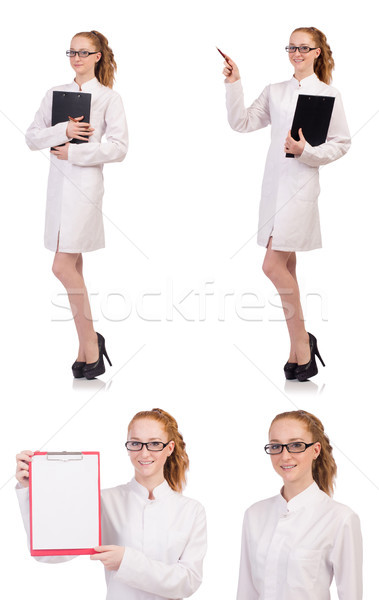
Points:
(231, 71)
(78, 130)
(22, 472)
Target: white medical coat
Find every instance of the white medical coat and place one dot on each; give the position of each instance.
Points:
(75, 186)
(164, 539)
(289, 202)
(291, 550)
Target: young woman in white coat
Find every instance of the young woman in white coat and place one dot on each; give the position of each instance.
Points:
(154, 537)
(293, 544)
(288, 214)
(74, 221)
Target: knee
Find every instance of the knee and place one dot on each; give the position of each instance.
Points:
(57, 270)
(269, 268)
(60, 270)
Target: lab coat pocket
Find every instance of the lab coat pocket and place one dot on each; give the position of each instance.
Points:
(176, 543)
(303, 568)
(305, 185)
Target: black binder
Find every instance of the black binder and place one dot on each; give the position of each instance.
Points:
(71, 104)
(312, 114)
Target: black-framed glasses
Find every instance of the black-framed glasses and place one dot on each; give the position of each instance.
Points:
(151, 446)
(81, 53)
(292, 447)
(301, 49)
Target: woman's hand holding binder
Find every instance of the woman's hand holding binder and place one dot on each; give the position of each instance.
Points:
(76, 129)
(110, 556)
(291, 146)
(61, 152)
(22, 471)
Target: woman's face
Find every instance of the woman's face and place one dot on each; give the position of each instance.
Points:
(149, 465)
(294, 469)
(85, 67)
(302, 62)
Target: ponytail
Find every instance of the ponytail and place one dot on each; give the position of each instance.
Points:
(324, 63)
(177, 463)
(324, 468)
(106, 67)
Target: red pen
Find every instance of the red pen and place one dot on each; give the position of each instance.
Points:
(223, 55)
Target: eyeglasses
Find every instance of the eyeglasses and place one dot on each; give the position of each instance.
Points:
(301, 49)
(293, 447)
(151, 446)
(81, 53)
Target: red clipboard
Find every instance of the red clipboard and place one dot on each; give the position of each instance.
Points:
(64, 503)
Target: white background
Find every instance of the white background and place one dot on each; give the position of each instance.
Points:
(185, 202)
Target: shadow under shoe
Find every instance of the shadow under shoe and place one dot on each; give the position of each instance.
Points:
(92, 370)
(304, 372)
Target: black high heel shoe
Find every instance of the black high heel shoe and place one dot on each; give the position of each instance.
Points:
(304, 372)
(289, 370)
(92, 370)
(77, 369)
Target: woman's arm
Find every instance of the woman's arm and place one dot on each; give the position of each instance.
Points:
(244, 119)
(346, 558)
(116, 146)
(337, 143)
(176, 580)
(246, 588)
(41, 134)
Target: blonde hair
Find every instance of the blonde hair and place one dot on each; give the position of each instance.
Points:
(177, 463)
(324, 468)
(106, 67)
(324, 63)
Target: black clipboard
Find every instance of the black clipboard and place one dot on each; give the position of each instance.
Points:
(73, 104)
(312, 115)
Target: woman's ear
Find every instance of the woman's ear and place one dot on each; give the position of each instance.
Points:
(317, 450)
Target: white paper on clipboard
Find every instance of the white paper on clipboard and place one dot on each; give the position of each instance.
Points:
(65, 512)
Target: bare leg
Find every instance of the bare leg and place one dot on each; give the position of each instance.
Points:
(280, 268)
(68, 268)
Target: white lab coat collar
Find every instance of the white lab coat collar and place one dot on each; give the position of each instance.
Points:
(306, 82)
(311, 495)
(88, 86)
(159, 492)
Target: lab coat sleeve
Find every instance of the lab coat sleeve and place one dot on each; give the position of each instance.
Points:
(116, 146)
(41, 134)
(337, 142)
(244, 119)
(246, 589)
(176, 580)
(346, 558)
(23, 500)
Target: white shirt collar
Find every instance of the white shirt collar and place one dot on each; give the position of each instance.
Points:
(310, 80)
(311, 495)
(88, 86)
(159, 492)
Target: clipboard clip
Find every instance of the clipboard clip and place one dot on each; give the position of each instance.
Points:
(64, 456)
